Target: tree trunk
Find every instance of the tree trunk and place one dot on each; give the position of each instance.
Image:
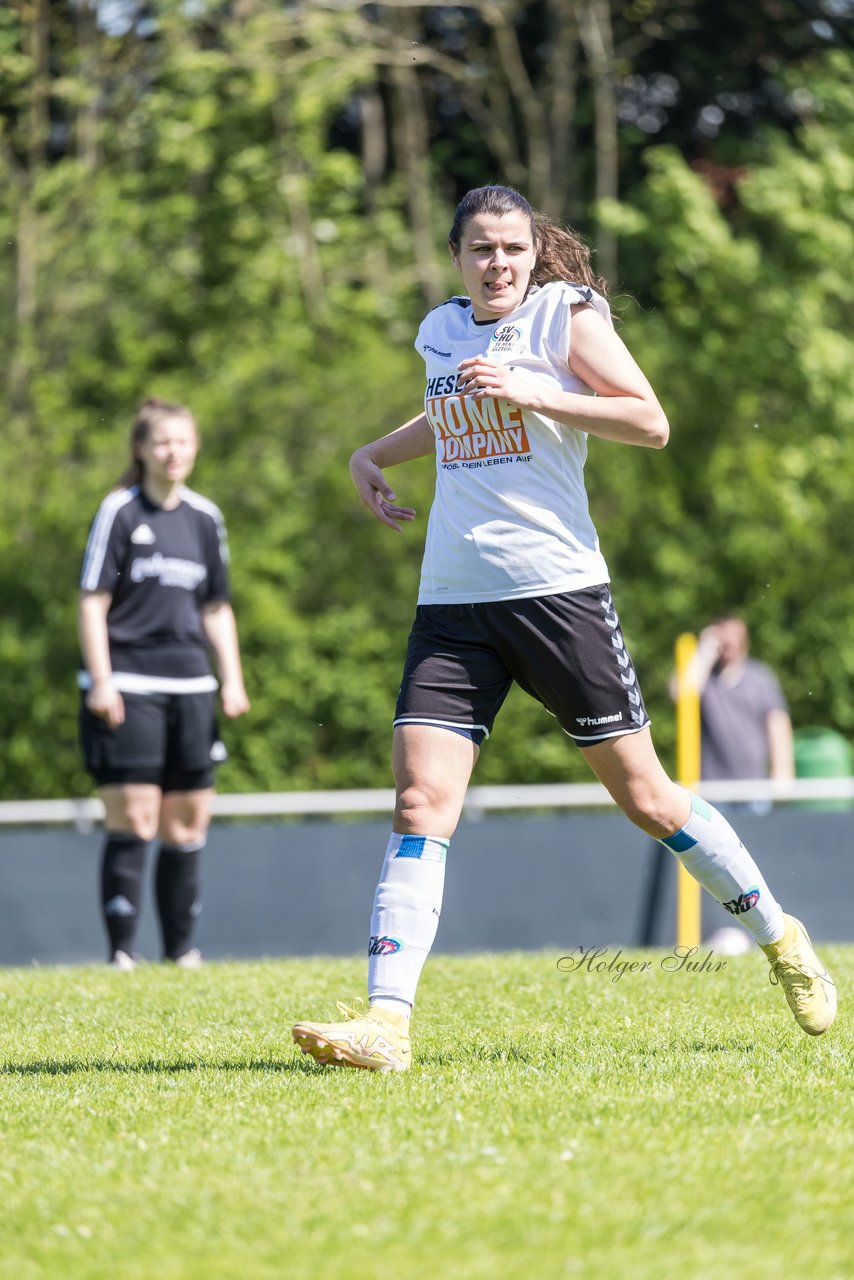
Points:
(36, 18)
(412, 148)
(563, 200)
(598, 42)
(527, 102)
(374, 150)
(87, 117)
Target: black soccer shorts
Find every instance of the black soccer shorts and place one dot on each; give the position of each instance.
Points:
(167, 739)
(566, 650)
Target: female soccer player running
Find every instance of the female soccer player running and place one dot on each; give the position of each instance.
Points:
(154, 599)
(514, 587)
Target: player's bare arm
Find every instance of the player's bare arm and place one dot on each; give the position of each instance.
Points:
(413, 440)
(221, 632)
(625, 408)
(103, 698)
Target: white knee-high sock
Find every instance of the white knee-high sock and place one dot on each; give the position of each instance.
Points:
(407, 905)
(712, 853)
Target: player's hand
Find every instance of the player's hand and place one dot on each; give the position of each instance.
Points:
(104, 700)
(708, 642)
(375, 493)
(234, 699)
(481, 376)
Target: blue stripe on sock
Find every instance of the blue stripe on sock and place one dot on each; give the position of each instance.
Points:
(411, 846)
(679, 841)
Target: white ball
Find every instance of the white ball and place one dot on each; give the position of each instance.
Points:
(728, 941)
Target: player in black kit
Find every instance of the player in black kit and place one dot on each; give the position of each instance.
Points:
(154, 600)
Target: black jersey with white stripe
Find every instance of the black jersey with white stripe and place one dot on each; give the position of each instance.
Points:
(160, 567)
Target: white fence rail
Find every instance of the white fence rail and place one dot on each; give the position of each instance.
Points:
(479, 801)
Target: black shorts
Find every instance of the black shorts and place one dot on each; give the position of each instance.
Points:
(168, 739)
(565, 650)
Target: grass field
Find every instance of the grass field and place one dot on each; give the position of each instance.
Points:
(161, 1124)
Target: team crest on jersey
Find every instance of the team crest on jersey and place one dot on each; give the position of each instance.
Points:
(507, 339)
(143, 535)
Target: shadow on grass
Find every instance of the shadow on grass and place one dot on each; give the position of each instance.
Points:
(545, 1058)
(152, 1066)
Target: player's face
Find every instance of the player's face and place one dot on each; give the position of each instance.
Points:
(496, 257)
(169, 452)
(733, 643)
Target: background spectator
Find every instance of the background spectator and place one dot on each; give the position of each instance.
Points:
(745, 725)
(154, 600)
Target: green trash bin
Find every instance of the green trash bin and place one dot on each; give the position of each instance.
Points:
(822, 753)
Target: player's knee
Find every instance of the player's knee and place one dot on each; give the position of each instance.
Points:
(139, 821)
(418, 808)
(183, 837)
(180, 833)
(651, 809)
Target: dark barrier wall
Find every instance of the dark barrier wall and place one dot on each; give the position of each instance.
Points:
(512, 883)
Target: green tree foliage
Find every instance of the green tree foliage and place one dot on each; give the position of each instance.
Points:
(747, 334)
(173, 221)
(215, 253)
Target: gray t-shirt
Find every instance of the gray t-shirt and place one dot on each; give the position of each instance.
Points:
(734, 723)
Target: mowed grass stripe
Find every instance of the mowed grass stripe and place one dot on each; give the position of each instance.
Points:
(162, 1123)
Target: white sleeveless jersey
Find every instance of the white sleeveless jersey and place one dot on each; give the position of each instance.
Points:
(510, 516)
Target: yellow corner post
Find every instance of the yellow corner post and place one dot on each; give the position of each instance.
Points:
(688, 773)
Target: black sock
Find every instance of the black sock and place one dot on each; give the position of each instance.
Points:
(177, 889)
(122, 866)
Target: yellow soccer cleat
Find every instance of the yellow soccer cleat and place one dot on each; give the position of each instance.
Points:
(808, 987)
(375, 1039)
